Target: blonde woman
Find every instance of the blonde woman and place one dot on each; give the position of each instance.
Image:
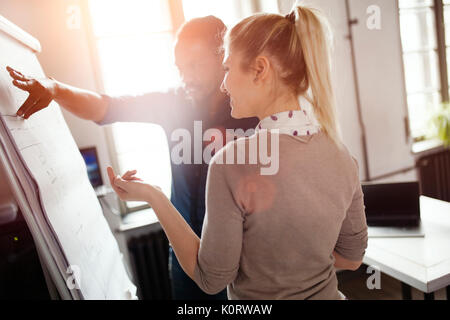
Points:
(278, 236)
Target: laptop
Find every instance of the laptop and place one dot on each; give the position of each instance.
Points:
(93, 170)
(393, 209)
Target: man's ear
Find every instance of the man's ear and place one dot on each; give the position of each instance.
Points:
(261, 67)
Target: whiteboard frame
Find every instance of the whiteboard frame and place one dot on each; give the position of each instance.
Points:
(54, 279)
(48, 264)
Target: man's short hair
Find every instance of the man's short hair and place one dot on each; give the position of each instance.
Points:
(209, 28)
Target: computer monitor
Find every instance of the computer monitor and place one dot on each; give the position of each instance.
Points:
(92, 164)
(392, 204)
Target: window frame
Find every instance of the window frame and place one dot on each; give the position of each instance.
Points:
(442, 48)
(437, 6)
(177, 17)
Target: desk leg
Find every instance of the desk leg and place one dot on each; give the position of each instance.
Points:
(406, 291)
(448, 292)
(429, 296)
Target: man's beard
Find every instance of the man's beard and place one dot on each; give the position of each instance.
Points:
(200, 99)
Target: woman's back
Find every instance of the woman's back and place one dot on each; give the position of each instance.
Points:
(274, 236)
(294, 220)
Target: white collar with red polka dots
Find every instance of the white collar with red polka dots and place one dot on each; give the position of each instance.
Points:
(294, 122)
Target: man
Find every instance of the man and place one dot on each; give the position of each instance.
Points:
(198, 57)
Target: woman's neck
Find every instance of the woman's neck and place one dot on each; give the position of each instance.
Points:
(280, 104)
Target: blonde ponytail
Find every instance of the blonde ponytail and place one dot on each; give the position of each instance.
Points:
(300, 45)
(313, 31)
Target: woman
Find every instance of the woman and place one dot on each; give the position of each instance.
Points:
(276, 236)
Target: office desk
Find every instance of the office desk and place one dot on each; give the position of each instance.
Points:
(422, 263)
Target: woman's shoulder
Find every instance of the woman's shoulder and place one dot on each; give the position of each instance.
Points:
(232, 151)
(319, 145)
(242, 153)
(339, 151)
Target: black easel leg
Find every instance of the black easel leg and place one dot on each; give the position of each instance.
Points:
(406, 291)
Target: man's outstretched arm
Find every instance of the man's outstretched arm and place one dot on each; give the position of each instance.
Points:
(82, 103)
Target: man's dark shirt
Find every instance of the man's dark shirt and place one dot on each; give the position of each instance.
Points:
(174, 110)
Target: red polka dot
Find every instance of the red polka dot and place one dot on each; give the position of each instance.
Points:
(274, 118)
(290, 114)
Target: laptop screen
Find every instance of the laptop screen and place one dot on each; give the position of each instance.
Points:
(92, 165)
(392, 204)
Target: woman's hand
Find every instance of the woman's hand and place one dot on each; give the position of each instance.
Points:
(182, 238)
(131, 188)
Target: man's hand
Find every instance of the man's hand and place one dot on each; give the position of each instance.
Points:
(42, 92)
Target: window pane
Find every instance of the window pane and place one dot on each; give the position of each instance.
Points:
(421, 72)
(227, 10)
(420, 106)
(414, 3)
(134, 64)
(114, 17)
(448, 61)
(418, 29)
(420, 57)
(143, 147)
(447, 24)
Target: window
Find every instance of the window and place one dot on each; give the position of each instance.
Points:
(141, 146)
(446, 9)
(425, 59)
(133, 53)
(228, 11)
(134, 42)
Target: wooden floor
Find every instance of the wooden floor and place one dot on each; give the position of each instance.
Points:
(353, 285)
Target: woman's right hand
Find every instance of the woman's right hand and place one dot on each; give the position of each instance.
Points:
(41, 92)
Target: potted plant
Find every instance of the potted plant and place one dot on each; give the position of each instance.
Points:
(440, 124)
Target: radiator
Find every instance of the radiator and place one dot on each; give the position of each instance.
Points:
(150, 256)
(434, 175)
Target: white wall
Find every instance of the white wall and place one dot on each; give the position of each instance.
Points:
(379, 65)
(342, 73)
(380, 81)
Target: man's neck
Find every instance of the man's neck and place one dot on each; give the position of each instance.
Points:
(214, 104)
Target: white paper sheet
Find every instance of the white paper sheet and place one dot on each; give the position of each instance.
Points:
(67, 201)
